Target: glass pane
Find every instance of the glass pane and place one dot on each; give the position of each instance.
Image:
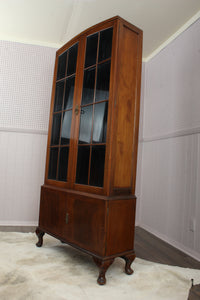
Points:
(63, 164)
(66, 127)
(61, 65)
(53, 163)
(59, 96)
(69, 93)
(91, 50)
(97, 166)
(103, 80)
(82, 164)
(105, 44)
(85, 125)
(100, 122)
(55, 134)
(88, 86)
(71, 69)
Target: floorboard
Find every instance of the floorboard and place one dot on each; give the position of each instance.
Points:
(150, 247)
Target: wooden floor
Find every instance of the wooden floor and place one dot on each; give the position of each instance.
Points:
(147, 246)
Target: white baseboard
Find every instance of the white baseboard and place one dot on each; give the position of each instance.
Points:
(18, 223)
(175, 244)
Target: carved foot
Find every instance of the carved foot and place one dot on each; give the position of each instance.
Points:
(40, 235)
(128, 259)
(103, 267)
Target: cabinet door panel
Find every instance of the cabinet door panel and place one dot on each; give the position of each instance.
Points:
(103, 81)
(69, 93)
(88, 86)
(100, 122)
(89, 224)
(105, 44)
(91, 50)
(83, 164)
(72, 60)
(63, 163)
(97, 166)
(53, 210)
(85, 125)
(62, 65)
(61, 115)
(58, 101)
(53, 163)
(94, 109)
(55, 135)
(66, 127)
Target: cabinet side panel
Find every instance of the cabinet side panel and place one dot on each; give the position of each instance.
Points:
(121, 224)
(127, 102)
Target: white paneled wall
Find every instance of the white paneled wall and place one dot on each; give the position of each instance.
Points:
(170, 187)
(172, 95)
(26, 74)
(140, 149)
(22, 162)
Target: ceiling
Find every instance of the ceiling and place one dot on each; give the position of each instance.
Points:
(54, 22)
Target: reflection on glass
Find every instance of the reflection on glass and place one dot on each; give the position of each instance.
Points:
(85, 125)
(55, 134)
(105, 45)
(66, 127)
(100, 122)
(82, 164)
(88, 86)
(91, 50)
(103, 80)
(63, 163)
(59, 96)
(72, 58)
(69, 93)
(53, 163)
(97, 166)
(62, 65)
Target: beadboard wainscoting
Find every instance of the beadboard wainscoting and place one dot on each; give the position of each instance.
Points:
(26, 73)
(170, 191)
(170, 186)
(22, 173)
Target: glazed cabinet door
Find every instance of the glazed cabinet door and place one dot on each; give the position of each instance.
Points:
(81, 112)
(94, 103)
(61, 116)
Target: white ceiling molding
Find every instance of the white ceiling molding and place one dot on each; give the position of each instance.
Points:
(173, 37)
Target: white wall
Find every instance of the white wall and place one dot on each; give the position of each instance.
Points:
(138, 189)
(170, 192)
(26, 74)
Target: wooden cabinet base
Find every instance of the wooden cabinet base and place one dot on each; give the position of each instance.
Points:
(100, 226)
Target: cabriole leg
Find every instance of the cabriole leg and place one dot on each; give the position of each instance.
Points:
(40, 235)
(128, 259)
(103, 267)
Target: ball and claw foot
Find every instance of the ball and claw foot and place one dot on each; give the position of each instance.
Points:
(40, 235)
